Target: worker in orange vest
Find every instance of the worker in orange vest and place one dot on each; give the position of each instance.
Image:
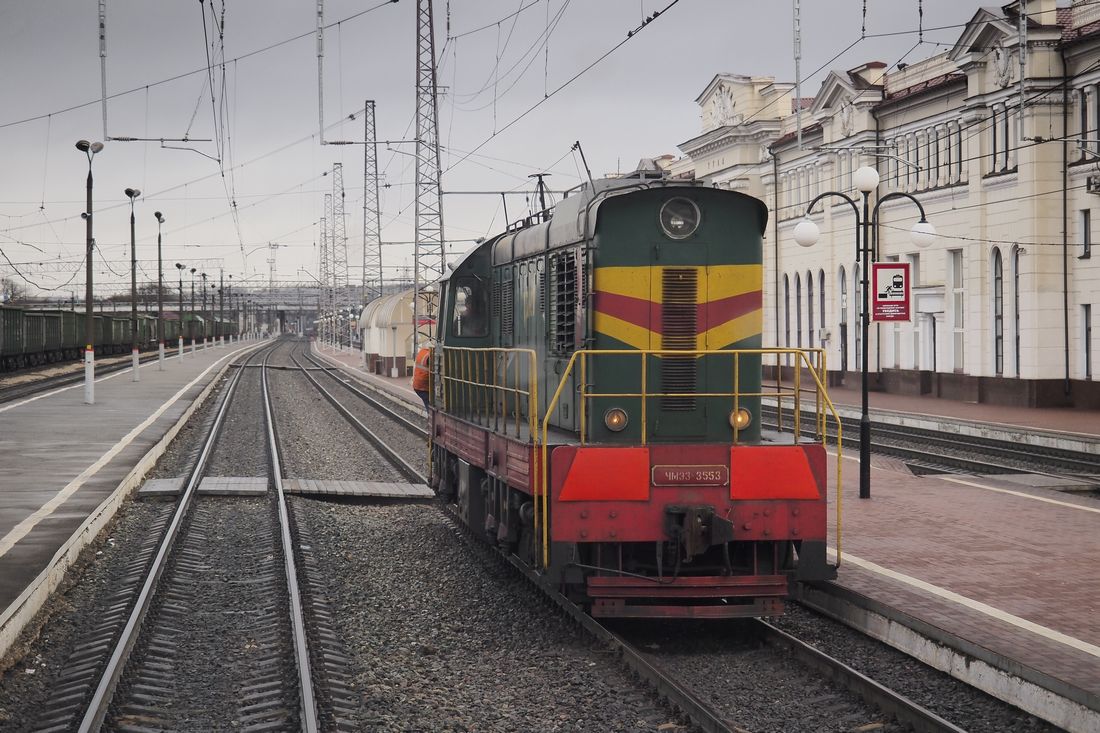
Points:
(422, 371)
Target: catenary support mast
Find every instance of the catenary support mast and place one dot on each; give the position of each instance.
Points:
(428, 252)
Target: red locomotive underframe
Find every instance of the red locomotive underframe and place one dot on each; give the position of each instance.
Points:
(618, 494)
(615, 494)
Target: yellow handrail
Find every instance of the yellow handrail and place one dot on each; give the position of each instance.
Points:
(801, 356)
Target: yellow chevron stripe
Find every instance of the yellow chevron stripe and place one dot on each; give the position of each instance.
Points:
(636, 336)
(629, 281)
(719, 337)
(725, 281)
(722, 281)
(730, 332)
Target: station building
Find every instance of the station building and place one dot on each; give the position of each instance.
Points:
(1005, 300)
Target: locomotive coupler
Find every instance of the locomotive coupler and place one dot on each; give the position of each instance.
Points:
(696, 528)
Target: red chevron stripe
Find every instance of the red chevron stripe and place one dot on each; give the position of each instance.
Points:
(647, 314)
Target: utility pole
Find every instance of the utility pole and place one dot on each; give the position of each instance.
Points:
(221, 305)
(326, 271)
(428, 251)
(341, 297)
(372, 232)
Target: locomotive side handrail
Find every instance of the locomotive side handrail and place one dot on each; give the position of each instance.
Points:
(813, 360)
(479, 383)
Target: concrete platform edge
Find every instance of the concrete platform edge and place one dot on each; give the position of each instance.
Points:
(1037, 437)
(16, 617)
(1045, 697)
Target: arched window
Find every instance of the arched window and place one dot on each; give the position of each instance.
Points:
(857, 312)
(821, 297)
(998, 314)
(810, 307)
(787, 310)
(1016, 310)
(798, 308)
(842, 320)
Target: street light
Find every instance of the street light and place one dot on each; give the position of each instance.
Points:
(89, 149)
(806, 234)
(229, 294)
(160, 295)
(204, 327)
(181, 268)
(191, 323)
(133, 193)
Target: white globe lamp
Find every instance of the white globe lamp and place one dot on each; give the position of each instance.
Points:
(865, 179)
(923, 233)
(806, 233)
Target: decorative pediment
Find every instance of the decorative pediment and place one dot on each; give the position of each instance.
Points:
(718, 103)
(985, 30)
(836, 91)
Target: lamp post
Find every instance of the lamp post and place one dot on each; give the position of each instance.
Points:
(806, 234)
(229, 294)
(204, 326)
(181, 268)
(89, 149)
(133, 193)
(160, 295)
(192, 321)
(221, 312)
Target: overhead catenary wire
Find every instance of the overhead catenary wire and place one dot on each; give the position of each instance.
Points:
(631, 34)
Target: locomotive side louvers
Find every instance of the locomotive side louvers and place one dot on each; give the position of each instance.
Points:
(563, 299)
(679, 322)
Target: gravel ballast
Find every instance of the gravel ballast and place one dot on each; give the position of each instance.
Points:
(949, 698)
(442, 641)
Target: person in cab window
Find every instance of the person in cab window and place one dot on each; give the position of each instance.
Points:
(422, 367)
(472, 321)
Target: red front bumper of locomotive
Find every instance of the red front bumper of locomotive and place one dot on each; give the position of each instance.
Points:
(754, 496)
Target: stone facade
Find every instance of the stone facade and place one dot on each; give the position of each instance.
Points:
(1006, 300)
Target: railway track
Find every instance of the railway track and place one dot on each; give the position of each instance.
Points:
(128, 673)
(702, 713)
(930, 451)
(45, 384)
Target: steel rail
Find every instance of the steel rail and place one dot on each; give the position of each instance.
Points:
(985, 462)
(388, 411)
(98, 707)
(904, 710)
(701, 714)
(54, 381)
(389, 453)
(309, 718)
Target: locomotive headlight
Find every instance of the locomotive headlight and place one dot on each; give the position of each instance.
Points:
(740, 419)
(615, 419)
(679, 218)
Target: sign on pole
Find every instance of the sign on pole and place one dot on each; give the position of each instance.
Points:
(891, 293)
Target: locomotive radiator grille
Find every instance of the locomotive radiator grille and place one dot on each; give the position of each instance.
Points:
(678, 333)
(563, 299)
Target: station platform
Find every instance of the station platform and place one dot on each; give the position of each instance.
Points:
(1001, 568)
(68, 466)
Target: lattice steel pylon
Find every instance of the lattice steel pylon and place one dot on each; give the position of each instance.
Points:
(428, 253)
(372, 231)
(325, 275)
(341, 287)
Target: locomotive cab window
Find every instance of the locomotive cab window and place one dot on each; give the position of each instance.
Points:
(470, 309)
(679, 218)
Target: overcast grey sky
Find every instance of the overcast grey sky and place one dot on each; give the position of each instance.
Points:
(637, 102)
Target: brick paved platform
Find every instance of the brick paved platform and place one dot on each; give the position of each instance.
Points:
(67, 467)
(1009, 567)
